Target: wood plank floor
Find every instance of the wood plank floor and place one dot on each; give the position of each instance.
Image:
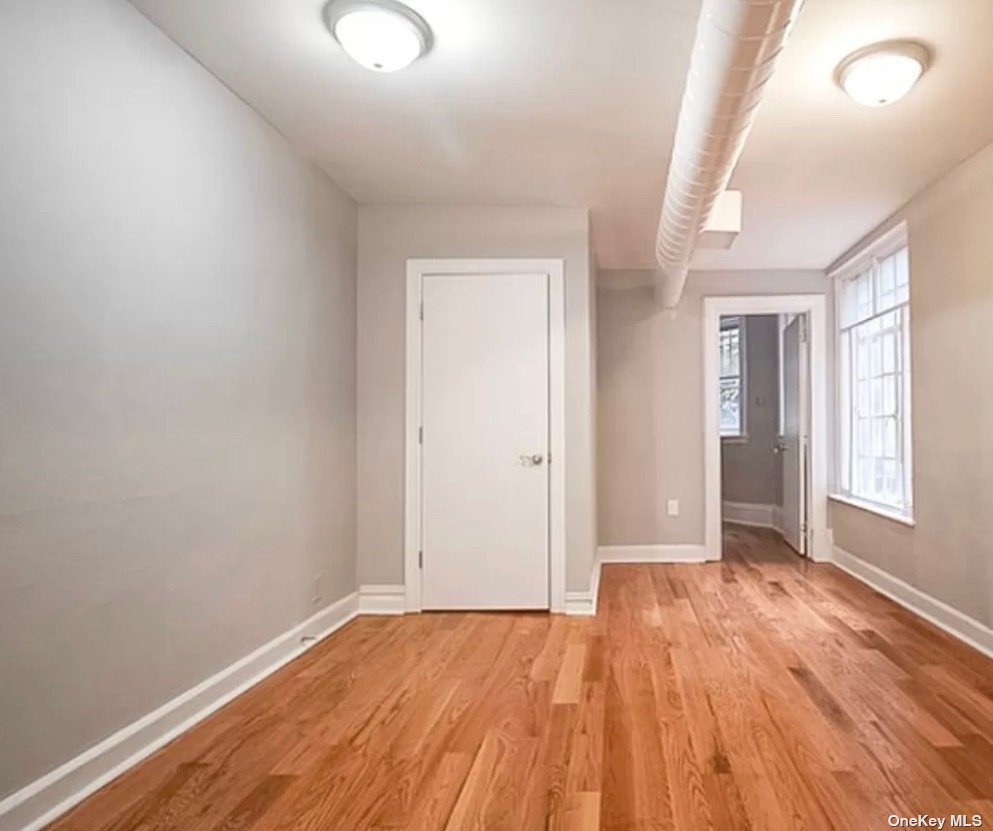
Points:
(763, 692)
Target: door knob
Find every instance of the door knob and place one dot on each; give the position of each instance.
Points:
(532, 460)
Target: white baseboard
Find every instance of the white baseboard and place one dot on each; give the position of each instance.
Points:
(682, 553)
(382, 599)
(584, 603)
(746, 513)
(42, 801)
(966, 629)
(777, 519)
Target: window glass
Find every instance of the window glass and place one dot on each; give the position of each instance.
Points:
(731, 396)
(874, 380)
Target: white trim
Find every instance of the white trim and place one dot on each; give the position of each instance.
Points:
(382, 599)
(42, 801)
(872, 508)
(584, 603)
(955, 623)
(813, 305)
(748, 513)
(862, 256)
(867, 258)
(555, 269)
(777, 520)
(663, 553)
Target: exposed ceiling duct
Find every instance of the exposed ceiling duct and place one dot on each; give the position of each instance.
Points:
(724, 223)
(738, 43)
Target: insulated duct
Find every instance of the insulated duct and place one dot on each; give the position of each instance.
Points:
(738, 43)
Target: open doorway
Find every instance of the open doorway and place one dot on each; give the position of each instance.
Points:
(765, 430)
(764, 406)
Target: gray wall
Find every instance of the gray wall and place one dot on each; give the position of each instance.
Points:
(388, 236)
(749, 468)
(650, 399)
(177, 410)
(949, 554)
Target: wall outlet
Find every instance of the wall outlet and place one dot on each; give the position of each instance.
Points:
(672, 507)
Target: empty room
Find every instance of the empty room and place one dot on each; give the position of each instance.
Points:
(496, 414)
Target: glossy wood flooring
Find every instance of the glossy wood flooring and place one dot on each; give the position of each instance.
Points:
(761, 693)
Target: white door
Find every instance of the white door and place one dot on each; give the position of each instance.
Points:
(484, 465)
(792, 445)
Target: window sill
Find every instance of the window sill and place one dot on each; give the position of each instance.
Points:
(869, 507)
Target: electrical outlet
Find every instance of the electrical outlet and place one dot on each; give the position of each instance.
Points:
(672, 507)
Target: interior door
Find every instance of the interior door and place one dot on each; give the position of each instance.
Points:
(484, 453)
(792, 444)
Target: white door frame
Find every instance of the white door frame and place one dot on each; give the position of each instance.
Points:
(814, 306)
(417, 269)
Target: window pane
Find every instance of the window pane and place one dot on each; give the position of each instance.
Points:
(889, 396)
(730, 406)
(865, 476)
(886, 284)
(877, 437)
(876, 357)
(889, 446)
(874, 366)
(849, 303)
(902, 264)
(889, 352)
(864, 435)
(862, 354)
(730, 346)
(864, 406)
(863, 289)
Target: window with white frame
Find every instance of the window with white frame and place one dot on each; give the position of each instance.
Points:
(873, 303)
(732, 378)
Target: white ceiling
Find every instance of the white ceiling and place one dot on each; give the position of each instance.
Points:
(537, 102)
(819, 172)
(574, 103)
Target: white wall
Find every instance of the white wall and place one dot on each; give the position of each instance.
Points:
(388, 236)
(650, 399)
(177, 402)
(949, 554)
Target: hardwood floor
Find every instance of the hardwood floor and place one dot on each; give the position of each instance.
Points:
(763, 692)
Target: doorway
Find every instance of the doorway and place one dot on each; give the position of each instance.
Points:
(485, 435)
(764, 408)
(765, 398)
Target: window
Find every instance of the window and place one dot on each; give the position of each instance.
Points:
(873, 307)
(732, 380)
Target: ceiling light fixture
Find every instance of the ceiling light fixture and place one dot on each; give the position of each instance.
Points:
(382, 35)
(884, 72)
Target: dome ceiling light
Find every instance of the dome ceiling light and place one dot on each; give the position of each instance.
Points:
(381, 35)
(884, 72)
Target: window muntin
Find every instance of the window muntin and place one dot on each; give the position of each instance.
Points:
(732, 378)
(874, 381)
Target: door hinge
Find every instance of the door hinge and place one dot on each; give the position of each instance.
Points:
(420, 559)
(549, 457)
(803, 329)
(420, 435)
(422, 311)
